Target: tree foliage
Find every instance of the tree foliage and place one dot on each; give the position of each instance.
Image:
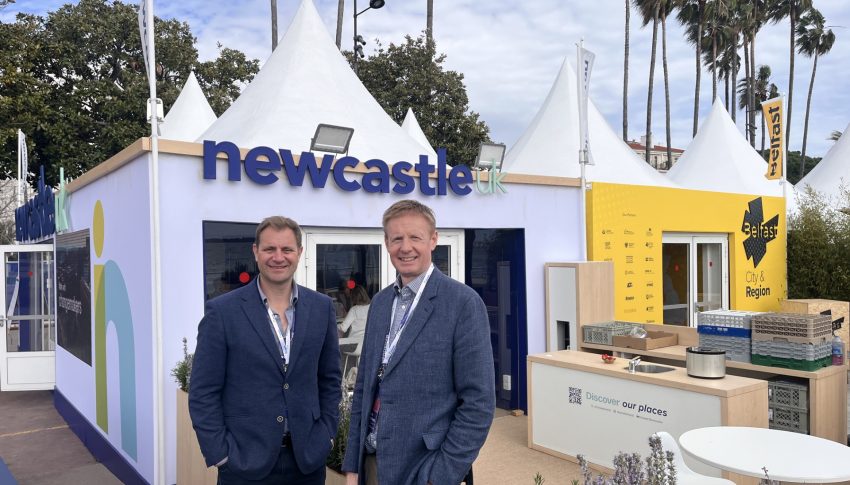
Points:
(819, 247)
(412, 75)
(74, 82)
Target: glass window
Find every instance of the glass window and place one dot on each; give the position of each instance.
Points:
(228, 258)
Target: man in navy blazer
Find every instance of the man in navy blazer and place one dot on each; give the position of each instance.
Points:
(425, 392)
(265, 385)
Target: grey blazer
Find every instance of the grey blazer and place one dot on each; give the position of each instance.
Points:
(438, 393)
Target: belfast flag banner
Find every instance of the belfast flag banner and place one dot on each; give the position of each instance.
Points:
(773, 111)
(585, 65)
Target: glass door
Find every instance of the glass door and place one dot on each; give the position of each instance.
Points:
(675, 257)
(696, 276)
(28, 323)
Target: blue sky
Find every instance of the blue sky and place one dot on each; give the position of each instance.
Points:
(510, 53)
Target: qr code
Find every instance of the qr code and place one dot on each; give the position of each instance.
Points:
(575, 395)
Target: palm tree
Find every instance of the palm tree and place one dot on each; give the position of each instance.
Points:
(812, 41)
(650, 12)
(791, 9)
(626, 76)
(761, 92)
(340, 12)
(664, 12)
(429, 20)
(691, 14)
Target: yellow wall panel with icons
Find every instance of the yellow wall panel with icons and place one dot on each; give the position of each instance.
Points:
(626, 223)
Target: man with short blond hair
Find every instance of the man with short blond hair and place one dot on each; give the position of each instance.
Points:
(425, 392)
(265, 384)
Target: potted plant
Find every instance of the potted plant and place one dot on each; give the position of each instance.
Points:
(334, 475)
(191, 467)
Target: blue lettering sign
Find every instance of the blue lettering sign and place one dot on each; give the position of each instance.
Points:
(36, 219)
(262, 164)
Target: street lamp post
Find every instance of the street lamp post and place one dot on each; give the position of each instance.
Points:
(358, 39)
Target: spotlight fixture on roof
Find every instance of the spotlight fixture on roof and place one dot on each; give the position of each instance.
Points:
(490, 155)
(331, 138)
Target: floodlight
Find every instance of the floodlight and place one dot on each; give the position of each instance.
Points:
(490, 155)
(331, 138)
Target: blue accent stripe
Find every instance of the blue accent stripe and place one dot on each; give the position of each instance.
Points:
(96, 443)
(6, 477)
(724, 331)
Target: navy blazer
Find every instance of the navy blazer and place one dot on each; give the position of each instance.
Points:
(438, 394)
(239, 393)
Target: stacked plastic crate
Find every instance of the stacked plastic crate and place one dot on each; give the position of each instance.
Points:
(727, 330)
(603, 333)
(788, 405)
(791, 340)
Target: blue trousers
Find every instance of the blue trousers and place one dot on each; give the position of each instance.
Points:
(285, 472)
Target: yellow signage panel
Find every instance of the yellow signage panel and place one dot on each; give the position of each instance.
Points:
(627, 223)
(773, 115)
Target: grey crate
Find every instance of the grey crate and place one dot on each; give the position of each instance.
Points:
(603, 333)
(737, 348)
(726, 318)
(788, 419)
(789, 394)
(788, 350)
(792, 325)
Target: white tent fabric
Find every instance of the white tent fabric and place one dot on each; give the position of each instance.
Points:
(190, 115)
(306, 81)
(411, 126)
(833, 169)
(550, 144)
(719, 159)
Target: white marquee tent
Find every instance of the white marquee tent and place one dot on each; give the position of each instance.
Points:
(720, 159)
(550, 144)
(833, 171)
(305, 82)
(411, 126)
(190, 115)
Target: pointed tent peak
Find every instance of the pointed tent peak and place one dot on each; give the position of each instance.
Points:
(719, 159)
(411, 126)
(306, 81)
(190, 115)
(550, 144)
(832, 170)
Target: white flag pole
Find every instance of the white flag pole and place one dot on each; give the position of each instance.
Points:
(146, 19)
(581, 155)
(20, 189)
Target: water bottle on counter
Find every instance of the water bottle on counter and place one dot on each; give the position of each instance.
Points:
(837, 351)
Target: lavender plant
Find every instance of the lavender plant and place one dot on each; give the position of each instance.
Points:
(629, 468)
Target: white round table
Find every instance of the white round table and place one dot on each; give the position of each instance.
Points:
(788, 457)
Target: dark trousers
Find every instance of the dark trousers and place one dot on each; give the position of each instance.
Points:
(285, 472)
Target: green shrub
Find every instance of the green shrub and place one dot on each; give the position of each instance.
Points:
(182, 371)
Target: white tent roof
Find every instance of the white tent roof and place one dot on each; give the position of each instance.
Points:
(411, 126)
(550, 144)
(306, 81)
(833, 170)
(719, 159)
(190, 114)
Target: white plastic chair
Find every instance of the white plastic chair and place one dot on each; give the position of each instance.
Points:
(684, 475)
(347, 371)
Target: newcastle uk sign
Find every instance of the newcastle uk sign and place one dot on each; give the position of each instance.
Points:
(265, 166)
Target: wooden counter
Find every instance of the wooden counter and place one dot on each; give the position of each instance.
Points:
(579, 404)
(827, 386)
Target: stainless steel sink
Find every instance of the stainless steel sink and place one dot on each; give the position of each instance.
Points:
(651, 368)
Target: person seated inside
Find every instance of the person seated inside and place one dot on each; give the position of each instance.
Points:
(354, 324)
